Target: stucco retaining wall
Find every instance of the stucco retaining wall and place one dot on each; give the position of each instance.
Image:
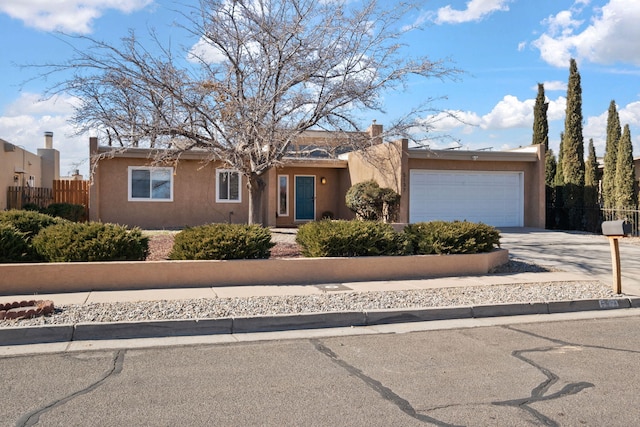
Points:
(92, 276)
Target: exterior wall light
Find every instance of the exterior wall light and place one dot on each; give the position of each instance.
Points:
(323, 180)
(474, 158)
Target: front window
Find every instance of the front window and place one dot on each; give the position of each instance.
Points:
(283, 195)
(228, 188)
(150, 184)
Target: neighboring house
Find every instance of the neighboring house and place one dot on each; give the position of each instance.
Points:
(21, 170)
(502, 188)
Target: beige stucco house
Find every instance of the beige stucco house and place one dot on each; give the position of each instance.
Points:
(500, 188)
(21, 168)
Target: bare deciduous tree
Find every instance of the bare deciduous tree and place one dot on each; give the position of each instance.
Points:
(258, 75)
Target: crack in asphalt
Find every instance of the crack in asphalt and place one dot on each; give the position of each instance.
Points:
(538, 393)
(385, 392)
(33, 417)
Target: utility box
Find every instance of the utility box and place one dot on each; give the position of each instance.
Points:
(616, 228)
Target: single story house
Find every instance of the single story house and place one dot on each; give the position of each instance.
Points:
(23, 169)
(500, 188)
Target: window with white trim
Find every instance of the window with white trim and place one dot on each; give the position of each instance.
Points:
(228, 186)
(283, 195)
(150, 184)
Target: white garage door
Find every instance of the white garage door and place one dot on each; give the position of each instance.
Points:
(494, 198)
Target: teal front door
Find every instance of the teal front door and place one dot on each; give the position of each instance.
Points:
(305, 198)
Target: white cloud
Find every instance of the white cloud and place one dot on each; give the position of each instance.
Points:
(554, 85)
(72, 16)
(476, 10)
(557, 109)
(25, 120)
(630, 114)
(610, 37)
(509, 113)
(205, 52)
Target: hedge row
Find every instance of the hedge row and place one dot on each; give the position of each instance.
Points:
(367, 238)
(29, 236)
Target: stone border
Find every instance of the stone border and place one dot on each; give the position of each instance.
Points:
(46, 278)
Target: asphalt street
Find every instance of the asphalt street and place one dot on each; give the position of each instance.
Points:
(572, 372)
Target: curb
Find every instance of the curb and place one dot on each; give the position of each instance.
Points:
(285, 322)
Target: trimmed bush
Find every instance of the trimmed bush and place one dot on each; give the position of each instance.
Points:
(94, 241)
(13, 244)
(29, 222)
(68, 211)
(222, 242)
(370, 202)
(349, 238)
(457, 237)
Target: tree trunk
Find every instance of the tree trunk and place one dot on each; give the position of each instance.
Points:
(256, 186)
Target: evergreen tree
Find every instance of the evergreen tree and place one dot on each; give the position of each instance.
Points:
(573, 151)
(592, 208)
(559, 216)
(559, 177)
(540, 123)
(550, 167)
(550, 188)
(626, 193)
(614, 132)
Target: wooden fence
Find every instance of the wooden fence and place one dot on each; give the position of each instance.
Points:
(19, 197)
(64, 191)
(76, 192)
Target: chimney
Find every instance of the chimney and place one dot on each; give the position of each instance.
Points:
(48, 140)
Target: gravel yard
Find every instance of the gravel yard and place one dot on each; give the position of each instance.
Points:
(327, 302)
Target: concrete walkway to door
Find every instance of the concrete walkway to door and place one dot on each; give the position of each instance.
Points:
(573, 251)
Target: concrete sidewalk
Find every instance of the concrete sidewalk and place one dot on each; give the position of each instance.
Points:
(91, 297)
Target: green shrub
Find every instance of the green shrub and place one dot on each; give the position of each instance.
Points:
(222, 241)
(349, 238)
(370, 202)
(68, 211)
(29, 222)
(13, 244)
(94, 241)
(440, 237)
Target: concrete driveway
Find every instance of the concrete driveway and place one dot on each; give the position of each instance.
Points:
(575, 252)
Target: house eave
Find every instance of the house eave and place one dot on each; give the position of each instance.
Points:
(521, 155)
(314, 163)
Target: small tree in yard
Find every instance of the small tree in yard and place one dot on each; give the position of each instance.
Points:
(370, 202)
(259, 74)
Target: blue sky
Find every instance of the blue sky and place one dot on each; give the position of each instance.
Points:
(504, 47)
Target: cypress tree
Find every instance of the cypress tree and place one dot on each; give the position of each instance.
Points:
(614, 132)
(573, 151)
(559, 177)
(550, 188)
(540, 123)
(626, 194)
(550, 167)
(559, 216)
(592, 211)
